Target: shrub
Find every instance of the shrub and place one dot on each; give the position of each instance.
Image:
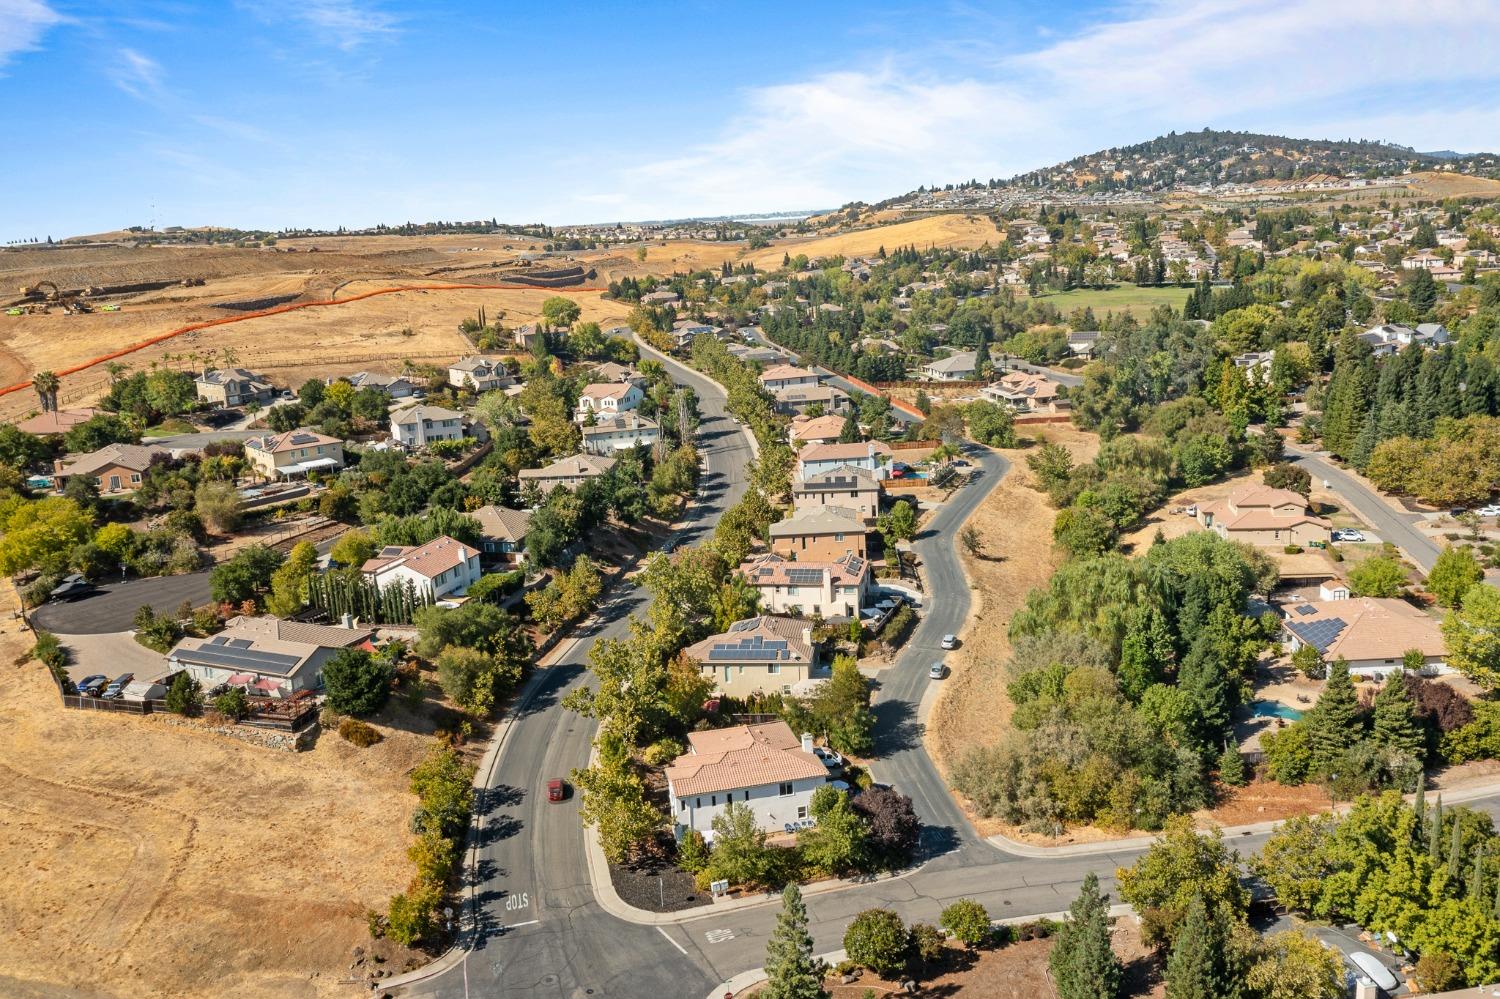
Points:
(360, 733)
(206, 620)
(158, 632)
(185, 696)
(899, 625)
(692, 853)
(968, 921)
(927, 942)
(1438, 972)
(232, 704)
(1293, 549)
(662, 752)
(411, 914)
(50, 653)
(877, 940)
(357, 683)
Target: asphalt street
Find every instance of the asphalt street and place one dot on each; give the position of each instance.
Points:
(112, 607)
(1393, 525)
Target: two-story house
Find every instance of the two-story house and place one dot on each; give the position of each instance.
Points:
(442, 566)
(417, 426)
(800, 398)
(608, 399)
(820, 534)
(232, 387)
(620, 433)
(816, 430)
(569, 473)
(828, 590)
(785, 376)
(872, 457)
(1024, 393)
(765, 653)
(1261, 515)
(764, 767)
(845, 486)
(293, 453)
(502, 534)
(479, 374)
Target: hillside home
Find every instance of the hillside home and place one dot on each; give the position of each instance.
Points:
(785, 376)
(1255, 360)
(527, 337)
(800, 398)
(816, 430)
(845, 486)
(610, 434)
(872, 457)
(765, 767)
(395, 386)
(828, 590)
(661, 299)
(113, 468)
(957, 367)
(265, 656)
(479, 374)
(1024, 393)
(822, 533)
(1371, 633)
(767, 654)
(232, 387)
(442, 566)
(568, 473)
(608, 399)
(502, 534)
(1263, 516)
(295, 452)
(420, 425)
(1083, 343)
(611, 372)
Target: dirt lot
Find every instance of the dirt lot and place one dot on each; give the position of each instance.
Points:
(1015, 522)
(1015, 971)
(172, 862)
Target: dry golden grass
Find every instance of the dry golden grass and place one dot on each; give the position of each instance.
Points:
(960, 231)
(1437, 184)
(173, 862)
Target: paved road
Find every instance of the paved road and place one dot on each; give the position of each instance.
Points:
(193, 441)
(113, 607)
(1062, 378)
(1392, 523)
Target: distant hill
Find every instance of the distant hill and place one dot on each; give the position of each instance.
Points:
(1215, 157)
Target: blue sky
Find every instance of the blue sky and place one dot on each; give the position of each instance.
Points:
(272, 113)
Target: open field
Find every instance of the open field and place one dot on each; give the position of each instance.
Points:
(1436, 184)
(165, 861)
(1122, 298)
(955, 230)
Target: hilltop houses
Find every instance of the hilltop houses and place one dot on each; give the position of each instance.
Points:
(1261, 515)
(479, 374)
(766, 654)
(568, 473)
(442, 566)
(826, 589)
(871, 457)
(787, 376)
(232, 387)
(765, 767)
(845, 486)
(293, 453)
(606, 399)
(420, 425)
(620, 433)
(113, 468)
(826, 533)
(959, 367)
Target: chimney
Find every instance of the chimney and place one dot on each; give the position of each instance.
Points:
(347, 620)
(807, 742)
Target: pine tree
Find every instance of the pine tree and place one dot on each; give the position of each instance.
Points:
(791, 971)
(1476, 878)
(1395, 723)
(1201, 678)
(1084, 966)
(1435, 833)
(1195, 968)
(1231, 765)
(1455, 850)
(1333, 723)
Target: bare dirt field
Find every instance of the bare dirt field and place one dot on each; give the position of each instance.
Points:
(1015, 523)
(166, 861)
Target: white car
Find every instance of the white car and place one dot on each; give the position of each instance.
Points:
(830, 757)
(935, 671)
(1493, 510)
(949, 642)
(1349, 534)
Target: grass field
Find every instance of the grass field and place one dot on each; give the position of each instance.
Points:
(1123, 298)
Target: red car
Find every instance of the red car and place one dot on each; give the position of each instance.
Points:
(556, 789)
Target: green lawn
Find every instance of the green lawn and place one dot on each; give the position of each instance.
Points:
(1121, 298)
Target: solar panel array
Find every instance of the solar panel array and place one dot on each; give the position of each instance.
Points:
(238, 656)
(1306, 609)
(753, 649)
(804, 577)
(1320, 634)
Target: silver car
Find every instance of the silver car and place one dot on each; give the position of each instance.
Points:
(935, 671)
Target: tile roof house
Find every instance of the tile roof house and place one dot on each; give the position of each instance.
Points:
(442, 566)
(784, 376)
(1261, 515)
(265, 655)
(1024, 392)
(114, 467)
(957, 367)
(479, 374)
(763, 653)
(845, 486)
(419, 425)
(58, 421)
(620, 433)
(611, 371)
(566, 472)
(798, 398)
(872, 457)
(232, 387)
(816, 429)
(502, 533)
(835, 589)
(295, 452)
(395, 386)
(821, 533)
(765, 767)
(1370, 633)
(608, 399)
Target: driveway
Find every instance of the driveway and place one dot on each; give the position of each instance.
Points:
(192, 442)
(113, 607)
(111, 655)
(1390, 522)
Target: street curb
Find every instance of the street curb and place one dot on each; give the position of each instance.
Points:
(1004, 844)
(668, 359)
(1353, 505)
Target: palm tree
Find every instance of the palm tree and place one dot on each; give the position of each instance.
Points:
(46, 385)
(115, 369)
(943, 453)
(230, 357)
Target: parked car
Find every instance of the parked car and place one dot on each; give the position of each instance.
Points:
(949, 642)
(89, 686)
(117, 685)
(1492, 510)
(71, 588)
(556, 789)
(830, 757)
(1349, 534)
(935, 671)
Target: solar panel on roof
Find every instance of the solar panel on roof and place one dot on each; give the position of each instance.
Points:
(804, 577)
(240, 659)
(1306, 609)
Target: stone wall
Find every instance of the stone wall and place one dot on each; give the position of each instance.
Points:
(289, 742)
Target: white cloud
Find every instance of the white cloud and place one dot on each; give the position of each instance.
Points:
(1320, 68)
(138, 75)
(344, 24)
(22, 25)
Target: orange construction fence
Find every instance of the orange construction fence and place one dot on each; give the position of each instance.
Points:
(290, 307)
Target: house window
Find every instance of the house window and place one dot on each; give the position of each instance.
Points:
(838, 537)
(713, 799)
(135, 476)
(747, 794)
(773, 668)
(801, 811)
(697, 802)
(784, 789)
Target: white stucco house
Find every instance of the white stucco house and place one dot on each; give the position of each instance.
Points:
(764, 767)
(610, 434)
(608, 399)
(415, 426)
(441, 567)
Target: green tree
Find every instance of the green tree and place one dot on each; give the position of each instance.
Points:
(1378, 576)
(1396, 726)
(1083, 964)
(1472, 634)
(1232, 765)
(1333, 723)
(876, 939)
(558, 311)
(898, 524)
(245, 576)
(474, 679)
(740, 853)
(1455, 570)
(968, 921)
(839, 842)
(1084, 532)
(356, 682)
(614, 801)
(1196, 966)
(991, 424)
(289, 583)
(1295, 965)
(1182, 865)
(185, 696)
(219, 504)
(353, 548)
(39, 534)
(791, 970)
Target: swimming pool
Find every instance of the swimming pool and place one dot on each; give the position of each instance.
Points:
(1274, 709)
